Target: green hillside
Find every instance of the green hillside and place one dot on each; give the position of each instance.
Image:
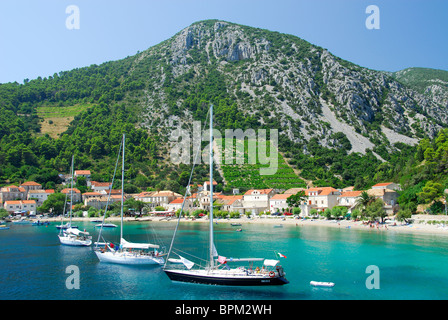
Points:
(421, 78)
(255, 78)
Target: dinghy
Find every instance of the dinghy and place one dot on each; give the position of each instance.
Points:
(321, 284)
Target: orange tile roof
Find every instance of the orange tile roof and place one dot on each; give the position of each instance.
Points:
(351, 194)
(31, 183)
(180, 200)
(283, 196)
(323, 191)
(100, 184)
(13, 202)
(383, 184)
(68, 190)
(29, 201)
(262, 191)
(82, 172)
(231, 199)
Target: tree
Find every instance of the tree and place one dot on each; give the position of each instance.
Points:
(296, 199)
(404, 214)
(137, 205)
(54, 204)
(430, 191)
(3, 213)
(375, 210)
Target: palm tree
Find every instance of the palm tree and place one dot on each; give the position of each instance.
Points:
(364, 200)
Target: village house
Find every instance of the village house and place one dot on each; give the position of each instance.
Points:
(388, 196)
(100, 186)
(12, 193)
(322, 198)
(76, 194)
(89, 195)
(39, 195)
(256, 201)
(202, 199)
(27, 206)
(231, 203)
(158, 198)
(31, 185)
(144, 196)
(113, 192)
(176, 204)
(278, 202)
(348, 199)
(387, 185)
(83, 173)
(100, 202)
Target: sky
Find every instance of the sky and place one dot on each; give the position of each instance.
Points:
(40, 37)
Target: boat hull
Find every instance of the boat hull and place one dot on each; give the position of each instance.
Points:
(128, 259)
(203, 278)
(67, 241)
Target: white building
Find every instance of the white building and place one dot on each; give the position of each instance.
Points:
(322, 198)
(278, 202)
(39, 195)
(348, 199)
(256, 201)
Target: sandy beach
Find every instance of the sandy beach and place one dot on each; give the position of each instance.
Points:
(425, 224)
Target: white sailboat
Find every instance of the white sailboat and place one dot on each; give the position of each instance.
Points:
(69, 235)
(126, 252)
(217, 270)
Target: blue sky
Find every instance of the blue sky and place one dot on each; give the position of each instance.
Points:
(34, 39)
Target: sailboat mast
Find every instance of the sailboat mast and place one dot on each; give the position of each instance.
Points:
(211, 188)
(122, 190)
(71, 193)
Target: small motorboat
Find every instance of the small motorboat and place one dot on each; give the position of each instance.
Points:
(41, 223)
(321, 284)
(106, 225)
(66, 226)
(3, 227)
(235, 224)
(239, 230)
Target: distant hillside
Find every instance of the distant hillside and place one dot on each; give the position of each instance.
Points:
(422, 79)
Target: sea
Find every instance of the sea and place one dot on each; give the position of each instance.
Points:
(362, 264)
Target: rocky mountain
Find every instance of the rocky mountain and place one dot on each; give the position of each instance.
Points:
(309, 92)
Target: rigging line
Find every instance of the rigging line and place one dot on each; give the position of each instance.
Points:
(185, 196)
(188, 254)
(108, 198)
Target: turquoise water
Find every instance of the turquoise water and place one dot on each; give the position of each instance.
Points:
(33, 263)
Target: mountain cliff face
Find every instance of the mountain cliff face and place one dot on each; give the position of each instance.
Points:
(278, 79)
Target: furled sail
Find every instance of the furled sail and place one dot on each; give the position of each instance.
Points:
(130, 245)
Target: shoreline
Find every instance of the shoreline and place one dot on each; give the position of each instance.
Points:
(419, 225)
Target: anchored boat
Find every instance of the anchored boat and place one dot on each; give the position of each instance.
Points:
(217, 270)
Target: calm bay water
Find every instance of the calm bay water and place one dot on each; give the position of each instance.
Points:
(33, 263)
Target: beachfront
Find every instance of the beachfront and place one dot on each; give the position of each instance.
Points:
(421, 223)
